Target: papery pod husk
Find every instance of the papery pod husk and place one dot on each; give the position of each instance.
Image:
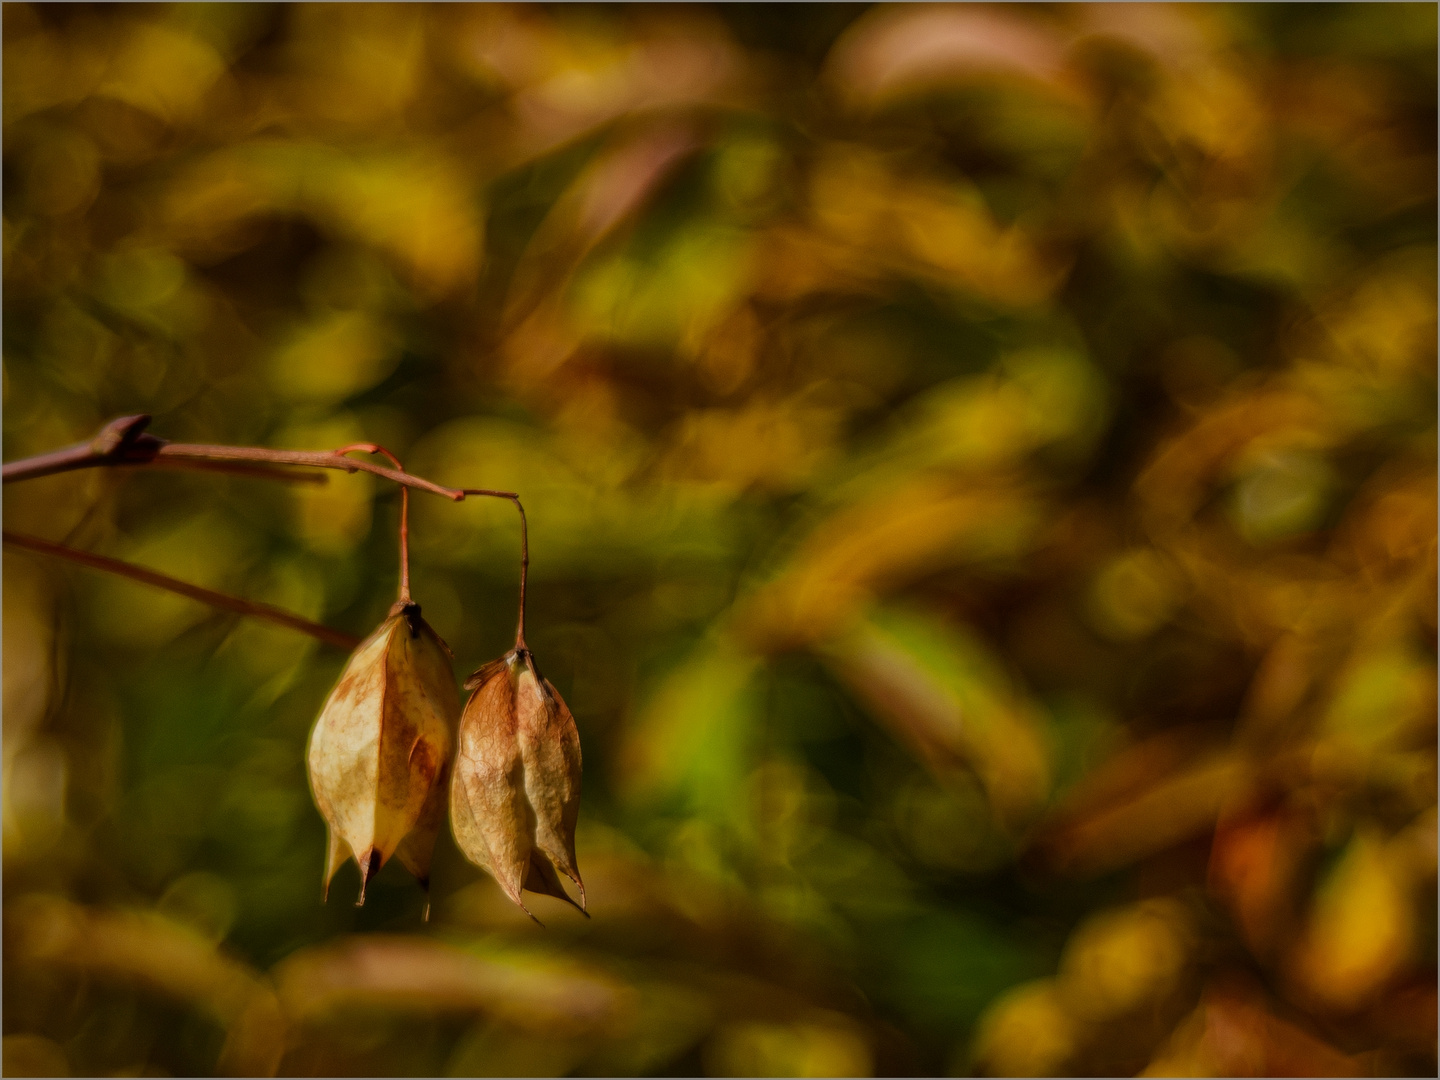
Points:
(515, 786)
(379, 754)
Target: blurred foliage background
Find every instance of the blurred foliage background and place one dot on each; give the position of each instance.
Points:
(981, 472)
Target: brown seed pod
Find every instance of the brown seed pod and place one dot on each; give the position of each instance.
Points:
(515, 789)
(380, 751)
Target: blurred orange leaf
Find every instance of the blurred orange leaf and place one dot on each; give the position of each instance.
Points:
(1153, 813)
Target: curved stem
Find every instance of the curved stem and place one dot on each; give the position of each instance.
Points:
(376, 448)
(124, 442)
(320, 459)
(224, 601)
(524, 554)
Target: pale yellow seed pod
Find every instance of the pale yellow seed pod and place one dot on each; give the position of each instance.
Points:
(379, 754)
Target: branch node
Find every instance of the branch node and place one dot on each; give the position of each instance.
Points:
(124, 439)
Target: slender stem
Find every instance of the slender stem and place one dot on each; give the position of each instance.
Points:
(254, 608)
(376, 448)
(524, 555)
(320, 459)
(524, 572)
(122, 442)
(404, 545)
(283, 474)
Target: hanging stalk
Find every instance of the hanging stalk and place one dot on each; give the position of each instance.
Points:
(374, 448)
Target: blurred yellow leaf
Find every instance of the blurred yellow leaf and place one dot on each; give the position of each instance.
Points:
(1382, 696)
(829, 1047)
(43, 68)
(948, 702)
(892, 535)
(689, 736)
(202, 548)
(163, 71)
(334, 517)
(654, 300)
(1388, 323)
(1033, 398)
(1362, 928)
(1027, 1031)
(943, 231)
(1134, 594)
(363, 64)
(1118, 961)
(415, 207)
(610, 189)
(770, 446)
(334, 357)
(1176, 480)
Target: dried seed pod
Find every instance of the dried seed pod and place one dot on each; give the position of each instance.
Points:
(515, 790)
(380, 751)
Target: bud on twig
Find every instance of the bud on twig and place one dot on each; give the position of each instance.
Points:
(380, 750)
(515, 791)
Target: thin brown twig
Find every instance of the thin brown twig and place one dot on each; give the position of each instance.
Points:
(254, 608)
(524, 571)
(281, 473)
(524, 554)
(123, 442)
(120, 442)
(376, 448)
(319, 459)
